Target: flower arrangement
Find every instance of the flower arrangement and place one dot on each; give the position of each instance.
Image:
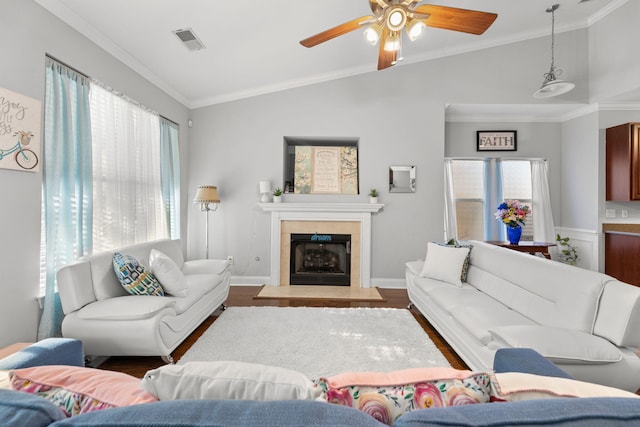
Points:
(512, 213)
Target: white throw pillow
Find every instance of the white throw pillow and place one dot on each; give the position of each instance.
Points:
(228, 381)
(168, 274)
(444, 263)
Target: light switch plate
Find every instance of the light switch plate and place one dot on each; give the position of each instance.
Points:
(610, 213)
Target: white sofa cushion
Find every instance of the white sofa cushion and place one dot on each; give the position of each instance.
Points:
(131, 307)
(619, 314)
(168, 273)
(450, 298)
(444, 263)
(228, 381)
(479, 319)
(558, 344)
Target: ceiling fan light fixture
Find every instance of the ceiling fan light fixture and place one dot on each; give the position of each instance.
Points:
(372, 34)
(392, 43)
(396, 18)
(414, 28)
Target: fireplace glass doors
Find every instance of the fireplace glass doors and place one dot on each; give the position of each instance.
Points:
(320, 259)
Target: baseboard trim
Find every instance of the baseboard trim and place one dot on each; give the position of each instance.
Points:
(261, 280)
(389, 283)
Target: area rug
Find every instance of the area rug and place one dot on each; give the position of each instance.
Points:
(311, 292)
(317, 341)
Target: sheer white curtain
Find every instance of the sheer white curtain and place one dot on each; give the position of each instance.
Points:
(543, 225)
(127, 189)
(450, 215)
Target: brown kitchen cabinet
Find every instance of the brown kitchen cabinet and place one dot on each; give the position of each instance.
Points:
(622, 252)
(623, 162)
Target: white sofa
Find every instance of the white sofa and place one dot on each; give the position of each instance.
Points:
(586, 322)
(112, 322)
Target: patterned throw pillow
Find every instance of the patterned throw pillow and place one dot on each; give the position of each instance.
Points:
(387, 396)
(77, 390)
(134, 277)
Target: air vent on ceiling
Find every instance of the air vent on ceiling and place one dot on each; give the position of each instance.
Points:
(189, 38)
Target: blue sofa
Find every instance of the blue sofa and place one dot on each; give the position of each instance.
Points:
(21, 409)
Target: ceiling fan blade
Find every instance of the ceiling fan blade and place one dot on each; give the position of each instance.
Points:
(386, 58)
(452, 18)
(334, 32)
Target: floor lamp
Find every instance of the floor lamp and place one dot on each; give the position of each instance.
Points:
(206, 196)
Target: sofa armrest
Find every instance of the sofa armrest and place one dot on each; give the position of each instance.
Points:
(527, 361)
(49, 351)
(205, 266)
(415, 267)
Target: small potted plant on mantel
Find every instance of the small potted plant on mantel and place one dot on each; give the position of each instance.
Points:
(373, 196)
(277, 195)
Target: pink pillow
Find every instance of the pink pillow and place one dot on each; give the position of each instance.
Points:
(514, 386)
(78, 390)
(406, 376)
(386, 396)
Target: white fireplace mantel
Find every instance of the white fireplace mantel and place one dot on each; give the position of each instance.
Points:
(358, 212)
(322, 207)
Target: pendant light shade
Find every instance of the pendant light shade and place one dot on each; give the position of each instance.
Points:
(552, 85)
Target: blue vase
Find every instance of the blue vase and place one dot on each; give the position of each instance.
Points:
(513, 234)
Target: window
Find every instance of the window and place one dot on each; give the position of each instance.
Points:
(478, 187)
(111, 171)
(469, 198)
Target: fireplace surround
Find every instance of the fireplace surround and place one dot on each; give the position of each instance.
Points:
(322, 218)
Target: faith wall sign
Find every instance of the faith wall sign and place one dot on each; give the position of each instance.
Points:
(497, 140)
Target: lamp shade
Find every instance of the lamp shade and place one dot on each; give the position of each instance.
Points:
(265, 187)
(207, 194)
(554, 88)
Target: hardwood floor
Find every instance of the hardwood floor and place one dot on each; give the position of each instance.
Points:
(242, 296)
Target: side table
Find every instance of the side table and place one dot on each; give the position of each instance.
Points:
(527, 246)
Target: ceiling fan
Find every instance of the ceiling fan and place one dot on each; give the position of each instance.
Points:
(391, 16)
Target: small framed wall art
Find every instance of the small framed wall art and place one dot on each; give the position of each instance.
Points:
(497, 140)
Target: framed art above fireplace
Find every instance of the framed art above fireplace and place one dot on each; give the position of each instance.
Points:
(315, 165)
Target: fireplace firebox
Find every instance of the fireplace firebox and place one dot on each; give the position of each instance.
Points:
(320, 259)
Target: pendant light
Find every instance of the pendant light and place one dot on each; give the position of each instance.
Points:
(552, 85)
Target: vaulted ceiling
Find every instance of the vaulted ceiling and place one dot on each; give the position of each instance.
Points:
(252, 46)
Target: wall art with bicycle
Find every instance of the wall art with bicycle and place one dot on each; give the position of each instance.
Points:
(20, 131)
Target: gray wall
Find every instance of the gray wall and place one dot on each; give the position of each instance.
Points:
(398, 114)
(29, 33)
(614, 65)
(580, 178)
